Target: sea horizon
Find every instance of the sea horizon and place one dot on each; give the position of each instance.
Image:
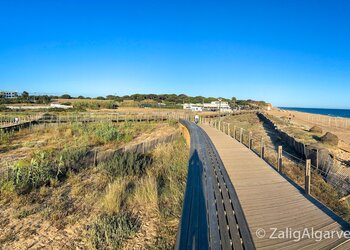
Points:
(345, 113)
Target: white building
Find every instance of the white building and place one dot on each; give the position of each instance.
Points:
(193, 107)
(213, 106)
(8, 94)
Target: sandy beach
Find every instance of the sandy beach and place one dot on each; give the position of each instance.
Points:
(337, 126)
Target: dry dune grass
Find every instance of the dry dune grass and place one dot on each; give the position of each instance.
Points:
(89, 209)
(23, 144)
(115, 194)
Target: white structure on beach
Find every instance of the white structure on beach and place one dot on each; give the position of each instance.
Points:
(213, 106)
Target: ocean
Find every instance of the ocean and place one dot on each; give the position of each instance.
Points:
(331, 112)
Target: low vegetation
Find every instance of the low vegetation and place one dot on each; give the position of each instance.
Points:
(129, 201)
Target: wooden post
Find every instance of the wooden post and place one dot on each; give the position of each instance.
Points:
(228, 129)
(95, 157)
(317, 161)
(241, 135)
(307, 176)
(250, 139)
(279, 159)
(262, 148)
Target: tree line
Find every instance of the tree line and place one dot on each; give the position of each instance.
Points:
(169, 99)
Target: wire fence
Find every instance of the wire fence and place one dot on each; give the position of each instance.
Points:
(323, 120)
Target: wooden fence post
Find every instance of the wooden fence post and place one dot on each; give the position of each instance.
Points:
(228, 129)
(241, 135)
(95, 157)
(262, 148)
(317, 160)
(250, 139)
(307, 176)
(279, 159)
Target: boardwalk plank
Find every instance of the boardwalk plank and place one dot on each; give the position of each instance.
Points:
(268, 199)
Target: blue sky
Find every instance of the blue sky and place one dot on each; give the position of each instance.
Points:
(290, 53)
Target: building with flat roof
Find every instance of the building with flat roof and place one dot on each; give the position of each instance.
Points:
(8, 94)
(216, 106)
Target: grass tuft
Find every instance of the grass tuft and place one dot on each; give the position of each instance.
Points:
(126, 164)
(109, 231)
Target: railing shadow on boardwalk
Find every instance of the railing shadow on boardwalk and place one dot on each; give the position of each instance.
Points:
(212, 217)
(193, 229)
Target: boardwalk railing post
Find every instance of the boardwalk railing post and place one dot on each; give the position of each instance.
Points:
(228, 129)
(262, 148)
(279, 159)
(250, 139)
(317, 161)
(241, 135)
(307, 176)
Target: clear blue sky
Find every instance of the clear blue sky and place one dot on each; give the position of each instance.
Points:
(291, 53)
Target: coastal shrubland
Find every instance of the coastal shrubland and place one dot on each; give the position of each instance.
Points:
(128, 200)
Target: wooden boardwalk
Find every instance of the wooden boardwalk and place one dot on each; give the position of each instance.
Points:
(271, 203)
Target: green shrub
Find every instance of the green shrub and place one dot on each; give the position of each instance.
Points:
(101, 132)
(5, 137)
(126, 164)
(44, 167)
(106, 132)
(95, 104)
(109, 231)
